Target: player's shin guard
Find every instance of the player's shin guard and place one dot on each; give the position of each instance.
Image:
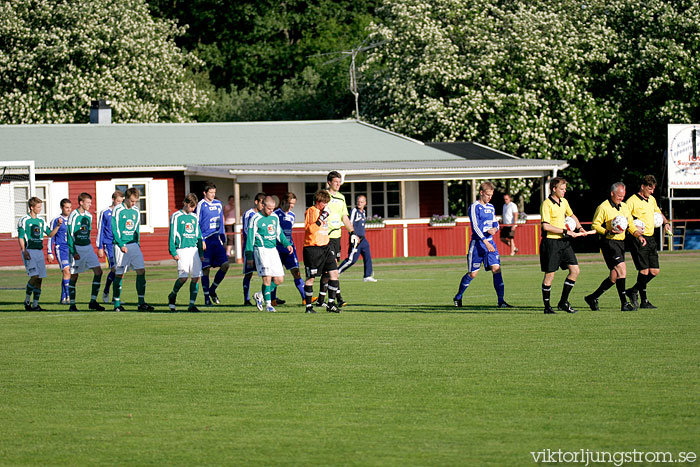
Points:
(220, 274)
(620, 284)
(71, 291)
(246, 286)
(205, 286)
(643, 288)
(605, 285)
(463, 284)
(108, 281)
(117, 290)
(568, 285)
(332, 291)
(141, 288)
(37, 295)
(267, 293)
(194, 286)
(64, 289)
(96, 281)
(299, 283)
(308, 294)
(29, 291)
(499, 286)
(546, 295)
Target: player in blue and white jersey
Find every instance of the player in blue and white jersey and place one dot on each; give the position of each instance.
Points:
(358, 216)
(482, 247)
(104, 241)
(210, 212)
(289, 260)
(58, 247)
(247, 269)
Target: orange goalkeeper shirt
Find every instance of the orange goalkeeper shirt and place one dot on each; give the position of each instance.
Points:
(314, 234)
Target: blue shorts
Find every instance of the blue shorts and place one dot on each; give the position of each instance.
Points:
(109, 252)
(215, 254)
(478, 254)
(63, 256)
(289, 260)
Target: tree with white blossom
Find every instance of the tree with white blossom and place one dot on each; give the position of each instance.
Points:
(58, 56)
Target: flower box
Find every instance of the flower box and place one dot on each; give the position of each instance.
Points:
(375, 225)
(443, 224)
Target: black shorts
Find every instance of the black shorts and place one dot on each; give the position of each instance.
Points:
(555, 254)
(317, 260)
(229, 234)
(334, 244)
(507, 232)
(613, 252)
(644, 257)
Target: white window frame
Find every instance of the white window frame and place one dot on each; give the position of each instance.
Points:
(130, 182)
(46, 185)
(350, 198)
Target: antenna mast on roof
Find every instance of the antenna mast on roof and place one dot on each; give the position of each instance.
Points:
(352, 53)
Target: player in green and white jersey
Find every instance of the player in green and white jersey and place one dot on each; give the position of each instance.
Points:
(127, 252)
(30, 235)
(264, 232)
(186, 247)
(82, 255)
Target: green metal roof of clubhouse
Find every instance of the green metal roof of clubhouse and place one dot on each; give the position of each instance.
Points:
(290, 147)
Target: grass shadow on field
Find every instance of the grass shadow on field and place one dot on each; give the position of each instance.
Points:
(466, 309)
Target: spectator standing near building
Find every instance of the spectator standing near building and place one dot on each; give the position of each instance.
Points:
(358, 216)
(612, 245)
(104, 241)
(643, 205)
(58, 248)
(510, 216)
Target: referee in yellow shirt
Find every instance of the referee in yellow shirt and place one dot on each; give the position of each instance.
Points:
(646, 257)
(555, 246)
(612, 245)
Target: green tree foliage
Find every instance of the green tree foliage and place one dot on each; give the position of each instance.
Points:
(57, 56)
(591, 82)
(261, 56)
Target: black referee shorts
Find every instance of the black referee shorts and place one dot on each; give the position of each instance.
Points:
(317, 260)
(613, 252)
(555, 254)
(644, 257)
(334, 244)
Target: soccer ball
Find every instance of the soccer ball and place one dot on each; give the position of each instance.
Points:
(570, 223)
(640, 224)
(619, 224)
(658, 220)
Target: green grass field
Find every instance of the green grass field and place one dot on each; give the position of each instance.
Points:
(399, 378)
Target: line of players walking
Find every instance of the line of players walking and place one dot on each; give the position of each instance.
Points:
(197, 241)
(620, 225)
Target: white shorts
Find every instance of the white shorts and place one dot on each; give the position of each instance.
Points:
(88, 259)
(35, 265)
(189, 264)
(267, 262)
(132, 259)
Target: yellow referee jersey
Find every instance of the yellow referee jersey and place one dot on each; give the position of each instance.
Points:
(604, 215)
(554, 213)
(337, 209)
(644, 210)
